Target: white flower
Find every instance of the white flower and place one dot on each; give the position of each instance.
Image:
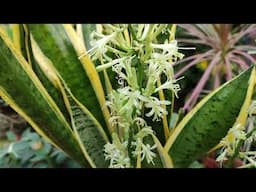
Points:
(146, 151)
(167, 47)
(114, 120)
(252, 137)
(164, 63)
(171, 85)
(120, 67)
(230, 142)
(249, 158)
(168, 55)
(109, 64)
(157, 111)
(99, 46)
(236, 133)
(126, 72)
(118, 159)
(124, 103)
(132, 100)
(141, 123)
(222, 157)
(154, 70)
(144, 132)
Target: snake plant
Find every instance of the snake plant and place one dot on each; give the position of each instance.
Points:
(104, 94)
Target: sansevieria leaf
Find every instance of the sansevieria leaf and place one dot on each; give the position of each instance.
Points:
(22, 90)
(87, 129)
(90, 69)
(43, 68)
(57, 47)
(204, 126)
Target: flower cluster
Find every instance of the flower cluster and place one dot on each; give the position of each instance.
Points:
(237, 143)
(117, 154)
(230, 142)
(140, 62)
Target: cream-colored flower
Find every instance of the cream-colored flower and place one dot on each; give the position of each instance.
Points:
(117, 157)
(157, 111)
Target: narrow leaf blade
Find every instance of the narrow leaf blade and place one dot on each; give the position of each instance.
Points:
(88, 131)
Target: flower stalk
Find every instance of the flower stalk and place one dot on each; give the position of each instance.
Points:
(140, 62)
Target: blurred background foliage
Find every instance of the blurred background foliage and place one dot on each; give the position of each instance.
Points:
(220, 53)
(21, 147)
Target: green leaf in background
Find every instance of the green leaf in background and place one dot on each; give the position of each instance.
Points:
(196, 164)
(20, 148)
(11, 136)
(32, 151)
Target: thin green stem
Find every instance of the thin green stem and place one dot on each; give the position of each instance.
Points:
(130, 29)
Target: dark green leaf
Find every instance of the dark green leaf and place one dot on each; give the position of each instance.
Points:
(209, 121)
